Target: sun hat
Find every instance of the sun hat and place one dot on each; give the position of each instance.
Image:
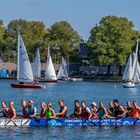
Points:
(93, 103)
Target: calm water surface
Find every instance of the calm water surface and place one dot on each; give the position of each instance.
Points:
(69, 91)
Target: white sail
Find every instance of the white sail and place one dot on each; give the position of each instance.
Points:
(24, 70)
(128, 75)
(63, 71)
(132, 68)
(37, 65)
(50, 72)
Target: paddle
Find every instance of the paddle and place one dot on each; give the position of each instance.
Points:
(85, 120)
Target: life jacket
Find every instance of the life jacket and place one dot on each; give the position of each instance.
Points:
(64, 114)
(135, 113)
(94, 113)
(31, 110)
(5, 112)
(117, 111)
(10, 113)
(84, 113)
(48, 113)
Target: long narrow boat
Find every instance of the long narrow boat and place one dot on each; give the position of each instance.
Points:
(68, 122)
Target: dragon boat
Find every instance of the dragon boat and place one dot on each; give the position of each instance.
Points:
(34, 122)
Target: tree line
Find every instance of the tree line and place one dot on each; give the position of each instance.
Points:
(110, 41)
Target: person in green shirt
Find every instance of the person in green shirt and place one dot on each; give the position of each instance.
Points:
(50, 113)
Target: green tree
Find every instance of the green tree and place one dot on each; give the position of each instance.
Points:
(33, 34)
(111, 41)
(1, 37)
(63, 37)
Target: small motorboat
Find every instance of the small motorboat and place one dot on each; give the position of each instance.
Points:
(14, 85)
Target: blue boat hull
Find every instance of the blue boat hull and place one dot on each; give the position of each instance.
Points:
(83, 122)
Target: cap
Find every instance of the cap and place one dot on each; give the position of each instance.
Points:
(93, 103)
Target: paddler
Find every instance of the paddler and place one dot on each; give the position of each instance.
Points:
(135, 112)
(128, 108)
(77, 110)
(24, 109)
(12, 111)
(4, 109)
(43, 110)
(32, 111)
(85, 111)
(119, 111)
(50, 113)
(63, 109)
(111, 109)
(94, 110)
(102, 112)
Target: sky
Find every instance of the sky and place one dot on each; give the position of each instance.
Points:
(81, 14)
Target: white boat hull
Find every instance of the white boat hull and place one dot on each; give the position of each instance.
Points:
(129, 85)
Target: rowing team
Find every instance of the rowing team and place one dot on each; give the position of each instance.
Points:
(115, 110)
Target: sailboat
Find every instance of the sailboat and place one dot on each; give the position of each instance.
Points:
(37, 66)
(50, 75)
(24, 70)
(132, 70)
(63, 71)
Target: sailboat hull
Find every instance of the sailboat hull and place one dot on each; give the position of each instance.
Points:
(27, 86)
(128, 85)
(49, 81)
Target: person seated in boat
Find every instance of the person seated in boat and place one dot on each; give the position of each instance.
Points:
(111, 109)
(119, 110)
(43, 110)
(135, 112)
(24, 109)
(102, 112)
(128, 108)
(12, 111)
(36, 80)
(85, 111)
(94, 110)
(63, 109)
(32, 111)
(50, 113)
(4, 109)
(77, 110)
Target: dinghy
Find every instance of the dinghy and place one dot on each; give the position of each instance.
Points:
(132, 70)
(24, 70)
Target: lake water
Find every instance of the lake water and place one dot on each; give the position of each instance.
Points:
(69, 91)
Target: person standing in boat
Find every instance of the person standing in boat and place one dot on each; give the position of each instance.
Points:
(24, 109)
(12, 111)
(50, 113)
(43, 110)
(4, 109)
(119, 111)
(94, 110)
(63, 110)
(102, 112)
(32, 111)
(111, 109)
(85, 111)
(128, 108)
(77, 110)
(135, 112)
